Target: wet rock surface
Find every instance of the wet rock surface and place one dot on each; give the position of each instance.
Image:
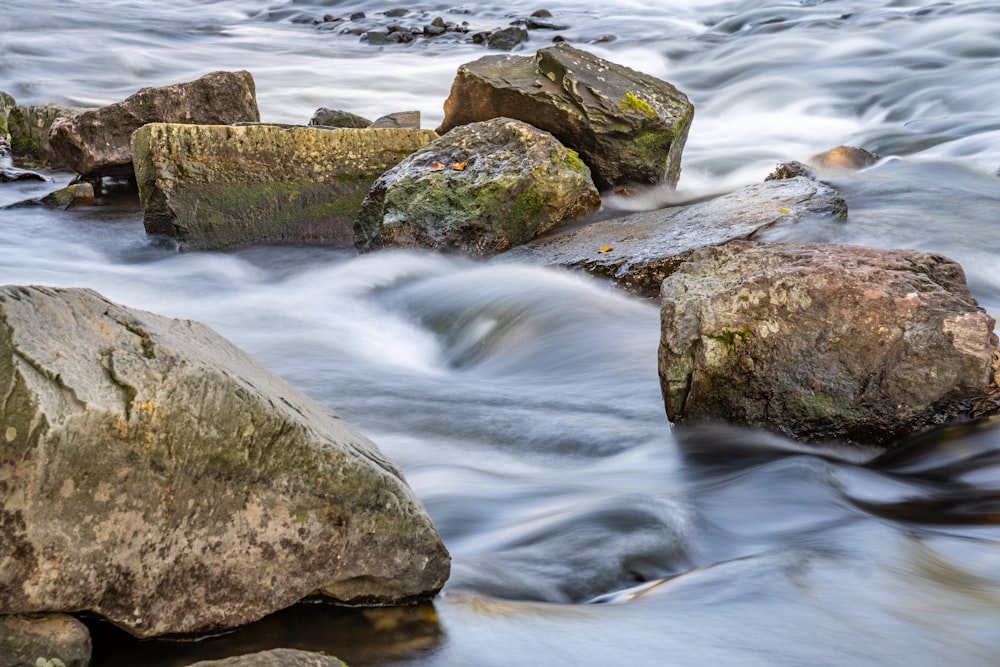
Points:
(823, 342)
(281, 657)
(639, 250)
(480, 189)
(626, 125)
(154, 474)
(97, 142)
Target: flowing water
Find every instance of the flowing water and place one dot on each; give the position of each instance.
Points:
(523, 402)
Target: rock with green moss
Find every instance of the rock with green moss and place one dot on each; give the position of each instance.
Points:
(480, 189)
(823, 342)
(280, 657)
(97, 142)
(154, 474)
(29, 130)
(639, 250)
(43, 640)
(222, 186)
(7, 104)
(627, 126)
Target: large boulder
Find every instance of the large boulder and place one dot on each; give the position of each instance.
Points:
(219, 186)
(96, 142)
(638, 251)
(7, 104)
(627, 126)
(43, 640)
(153, 473)
(480, 189)
(822, 341)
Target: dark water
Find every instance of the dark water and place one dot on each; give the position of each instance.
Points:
(523, 403)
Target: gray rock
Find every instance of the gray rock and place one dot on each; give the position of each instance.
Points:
(480, 189)
(96, 142)
(154, 474)
(506, 39)
(338, 118)
(626, 125)
(46, 640)
(823, 342)
(638, 251)
(281, 657)
(220, 186)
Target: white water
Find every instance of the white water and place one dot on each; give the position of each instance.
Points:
(522, 402)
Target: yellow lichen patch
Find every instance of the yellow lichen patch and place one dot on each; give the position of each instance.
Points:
(631, 102)
(10, 434)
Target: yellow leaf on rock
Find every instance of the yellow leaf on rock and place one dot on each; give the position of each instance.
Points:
(459, 166)
(783, 211)
(606, 248)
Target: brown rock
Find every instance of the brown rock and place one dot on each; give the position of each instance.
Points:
(822, 341)
(53, 639)
(96, 142)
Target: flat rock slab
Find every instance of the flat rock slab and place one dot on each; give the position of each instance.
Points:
(153, 473)
(626, 125)
(823, 342)
(638, 251)
(480, 189)
(96, 142)
(223, 186)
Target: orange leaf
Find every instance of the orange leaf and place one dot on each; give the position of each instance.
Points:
(606, 248)
(624, 192)
(437, 166)
(459, 166)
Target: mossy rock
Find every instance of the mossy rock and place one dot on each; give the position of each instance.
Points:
(481, 189)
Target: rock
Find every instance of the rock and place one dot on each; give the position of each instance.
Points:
(845, 157)
(627, 126)
(156, 475)
(507, 38)
(790, 169)
(822, 342)
(43, 640)
(7, 104)
(10, 174)
(75, 194)
(280, 657)
(220, 186)
(405, 119)
(96, 142)
(638, 251)
(337, 118)
(480, 189)
(29, 130)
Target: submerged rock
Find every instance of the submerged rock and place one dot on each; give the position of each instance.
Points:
(11, 174)
(626, 125)
(638, 251)
(822, 342)
(154, 474)
(75, 194)
(220, 186)
(43, 640)
(96, 142)
(845, 157)
(480, 189)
